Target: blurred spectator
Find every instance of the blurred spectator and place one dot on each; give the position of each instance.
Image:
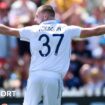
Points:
(96, 83)
(80, 55)
(71, 81)
(22, 18)
(38, 2)
(3, 74)
(22, 12)
(4, 12)
(24, 68)
(9, 2)
(85, 74)
(64, 5)
(8, 46)
(102, 45)
(80, 51)
(94, 3)
(7, 43)
(99, 55)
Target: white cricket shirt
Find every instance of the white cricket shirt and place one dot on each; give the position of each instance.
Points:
(50, 45)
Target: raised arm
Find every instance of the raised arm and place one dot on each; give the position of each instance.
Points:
(4, 30)
(95, 31)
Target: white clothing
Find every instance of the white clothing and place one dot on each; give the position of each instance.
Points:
(50, 45)
(47, 87)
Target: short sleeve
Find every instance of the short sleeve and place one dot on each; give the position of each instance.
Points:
(74, 31)
(25, 34)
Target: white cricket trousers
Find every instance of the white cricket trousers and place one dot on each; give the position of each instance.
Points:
(43, 85)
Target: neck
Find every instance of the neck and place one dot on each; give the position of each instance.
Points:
(49, 18)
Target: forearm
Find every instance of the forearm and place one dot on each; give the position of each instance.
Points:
(95, 31)
(99, 30)
(5, 30)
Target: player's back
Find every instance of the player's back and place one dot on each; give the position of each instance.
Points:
(50, 45)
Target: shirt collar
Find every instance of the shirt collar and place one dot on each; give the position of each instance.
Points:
(51, 22)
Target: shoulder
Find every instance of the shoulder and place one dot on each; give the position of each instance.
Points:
(30, 28)
(68, 26)
(73, 27)
(33, 28)
(61, 25)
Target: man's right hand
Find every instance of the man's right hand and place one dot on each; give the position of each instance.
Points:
(5, 30)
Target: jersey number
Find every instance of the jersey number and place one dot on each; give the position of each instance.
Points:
(46, 44)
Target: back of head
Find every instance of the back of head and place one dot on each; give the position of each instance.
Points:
(47, 9)
(44, 13)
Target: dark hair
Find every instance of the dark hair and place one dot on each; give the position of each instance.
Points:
(49, 9)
